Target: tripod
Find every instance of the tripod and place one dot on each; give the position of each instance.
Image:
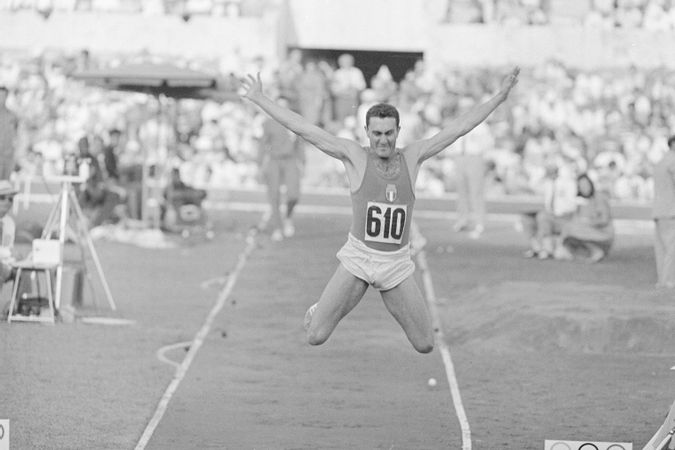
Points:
(65, 209)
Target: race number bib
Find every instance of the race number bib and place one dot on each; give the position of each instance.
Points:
(385, 222)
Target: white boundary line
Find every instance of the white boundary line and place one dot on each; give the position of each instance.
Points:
(196, 344)
(445, 351)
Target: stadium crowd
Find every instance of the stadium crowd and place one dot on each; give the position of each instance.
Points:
(612, 124)
(649, 14)
(185, 8)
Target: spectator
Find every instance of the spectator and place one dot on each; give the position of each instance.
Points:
(663, 213)
(98, 195)
(312, 93)
(346, 86)
(179, 198)
(543, 227)
(8, 128)
(290, 72)
(280, 160)
(590, 231)
(110, 155)
(470, 179)
(383, 85)
(7, 230)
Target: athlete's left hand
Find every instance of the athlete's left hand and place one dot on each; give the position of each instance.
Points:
(510, 80)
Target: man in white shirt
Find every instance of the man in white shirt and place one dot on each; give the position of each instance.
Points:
(470, 175)
(663, 213)
(346, 86)
(560, 193)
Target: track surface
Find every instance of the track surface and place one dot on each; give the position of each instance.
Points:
(541, 349)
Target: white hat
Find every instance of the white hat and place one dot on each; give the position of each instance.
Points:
(7, 188)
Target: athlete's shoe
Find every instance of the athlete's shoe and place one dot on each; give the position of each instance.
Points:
(289, 228)
(277, 235)
(308, 316)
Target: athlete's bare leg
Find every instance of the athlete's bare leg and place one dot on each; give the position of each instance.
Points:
(342, 293)
(406, 303)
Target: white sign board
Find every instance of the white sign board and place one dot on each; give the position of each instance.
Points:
(586, 445)
(4, 434)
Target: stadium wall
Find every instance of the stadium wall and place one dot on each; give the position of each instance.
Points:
(201, 36)
(577, 46)
(382, 25)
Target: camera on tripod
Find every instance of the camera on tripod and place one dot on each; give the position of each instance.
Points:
(75, 170)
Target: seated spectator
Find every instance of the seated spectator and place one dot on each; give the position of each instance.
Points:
(590, 231)
(183, 202)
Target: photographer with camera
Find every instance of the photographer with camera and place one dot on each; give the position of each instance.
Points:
(100, 194)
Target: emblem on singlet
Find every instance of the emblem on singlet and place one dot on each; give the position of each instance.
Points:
(391, 193)
(385, 222)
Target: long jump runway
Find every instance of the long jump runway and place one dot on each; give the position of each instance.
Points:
(543, 350)
(258, 385)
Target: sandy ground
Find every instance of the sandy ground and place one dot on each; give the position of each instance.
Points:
(541, 349)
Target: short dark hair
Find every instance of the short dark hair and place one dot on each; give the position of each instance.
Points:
(671, 140)
(4, 88)
(382, 110)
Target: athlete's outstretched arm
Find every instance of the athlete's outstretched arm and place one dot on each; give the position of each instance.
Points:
(323, 140)
(466, 122)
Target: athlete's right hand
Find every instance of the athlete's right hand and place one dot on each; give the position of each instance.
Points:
(252, 86)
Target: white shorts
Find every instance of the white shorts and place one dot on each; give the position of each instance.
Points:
(382, 270)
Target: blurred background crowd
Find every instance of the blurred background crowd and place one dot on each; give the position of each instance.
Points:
(611, 123)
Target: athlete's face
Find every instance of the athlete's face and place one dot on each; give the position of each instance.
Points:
(382, 133)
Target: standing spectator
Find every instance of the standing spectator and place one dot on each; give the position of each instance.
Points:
(663, 213)
(312, 93)
(8, 128)
(346, 86)
(98, 196)
(110, 153)
(327, 70)
(7, 230)
(470, 173)
(290, 71)
(383, 85)
(280, 158)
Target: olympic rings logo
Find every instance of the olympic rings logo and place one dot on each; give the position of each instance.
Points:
(584, 446)
(2, 432)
